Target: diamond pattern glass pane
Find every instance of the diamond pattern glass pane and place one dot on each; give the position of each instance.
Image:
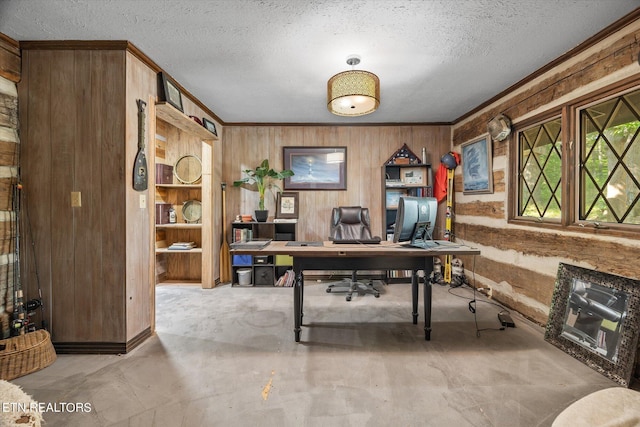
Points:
(610, 161)
(540, 149)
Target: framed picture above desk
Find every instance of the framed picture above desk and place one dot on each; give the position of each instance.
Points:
(316, 168)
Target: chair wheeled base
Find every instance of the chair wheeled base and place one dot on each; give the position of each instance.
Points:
(353, 285)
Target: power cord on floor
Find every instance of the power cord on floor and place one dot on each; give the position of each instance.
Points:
(472, 305)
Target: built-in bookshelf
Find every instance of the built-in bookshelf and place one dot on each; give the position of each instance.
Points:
(182, 208)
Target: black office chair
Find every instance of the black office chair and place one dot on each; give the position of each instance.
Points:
(351, 223)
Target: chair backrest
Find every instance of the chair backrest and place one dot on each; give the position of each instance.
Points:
(350, 223)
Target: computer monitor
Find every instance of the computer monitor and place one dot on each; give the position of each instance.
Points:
(415, 220)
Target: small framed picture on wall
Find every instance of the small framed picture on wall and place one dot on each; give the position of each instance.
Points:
(172, 93)
(209, 125)
(287, 205)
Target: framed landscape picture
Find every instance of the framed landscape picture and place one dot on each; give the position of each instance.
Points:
(316, 168)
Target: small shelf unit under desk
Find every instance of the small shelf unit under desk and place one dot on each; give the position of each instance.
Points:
(265, 271)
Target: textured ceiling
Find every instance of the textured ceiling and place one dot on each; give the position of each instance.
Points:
(269, 61)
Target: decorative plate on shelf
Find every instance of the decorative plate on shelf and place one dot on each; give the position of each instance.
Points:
(188, 169)
(192, 211)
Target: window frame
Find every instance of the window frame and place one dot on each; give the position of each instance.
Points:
(570, 185)
(597, 97)
(514, 162)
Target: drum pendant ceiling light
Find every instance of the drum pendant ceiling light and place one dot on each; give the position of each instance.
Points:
(353, 93)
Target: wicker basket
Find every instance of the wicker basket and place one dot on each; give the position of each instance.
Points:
(25, 354)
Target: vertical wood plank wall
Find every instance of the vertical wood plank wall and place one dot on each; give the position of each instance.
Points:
(520, 262)
(368, 148)
(72, 105)
(140, 83)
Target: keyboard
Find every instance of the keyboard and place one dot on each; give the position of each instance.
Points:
(358, 241)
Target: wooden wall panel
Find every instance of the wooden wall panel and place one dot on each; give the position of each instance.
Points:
(368, 147)
(141, 83)
(62, 129)
(109, 107)
(74, 143)
(86, 226)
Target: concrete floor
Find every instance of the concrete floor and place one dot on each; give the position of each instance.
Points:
(227, 357)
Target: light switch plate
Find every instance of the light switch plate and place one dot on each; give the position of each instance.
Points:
(143, 201)
(76, 199)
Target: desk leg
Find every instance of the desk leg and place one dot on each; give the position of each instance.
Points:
(297, 305)
(427, 309)
(428, 269)
(414, 296)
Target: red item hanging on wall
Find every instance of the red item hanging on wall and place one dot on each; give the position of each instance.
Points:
(440, 184)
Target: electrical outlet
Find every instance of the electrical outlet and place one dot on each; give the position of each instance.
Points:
(76, 199)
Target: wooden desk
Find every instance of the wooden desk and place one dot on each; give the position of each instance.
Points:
(385, 256)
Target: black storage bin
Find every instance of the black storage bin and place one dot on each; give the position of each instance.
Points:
(263, 275)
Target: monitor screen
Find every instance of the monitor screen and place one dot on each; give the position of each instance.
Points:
(415, 214)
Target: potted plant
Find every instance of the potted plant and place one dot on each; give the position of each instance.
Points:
(263, 176)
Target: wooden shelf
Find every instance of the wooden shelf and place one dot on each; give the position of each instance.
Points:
(173, 116)
(391, 187)
(181, 225)
(178, 251)
(179, 186)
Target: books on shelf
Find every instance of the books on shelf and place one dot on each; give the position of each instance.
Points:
(242, 234)
(393, 183)
(181, 246)
(287, 279)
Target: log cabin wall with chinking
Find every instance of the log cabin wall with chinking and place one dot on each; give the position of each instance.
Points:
(520, 257)
(79, 133)
(9, 158)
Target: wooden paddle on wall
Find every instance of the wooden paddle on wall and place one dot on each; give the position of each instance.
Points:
(225, 255)
(140, 166)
